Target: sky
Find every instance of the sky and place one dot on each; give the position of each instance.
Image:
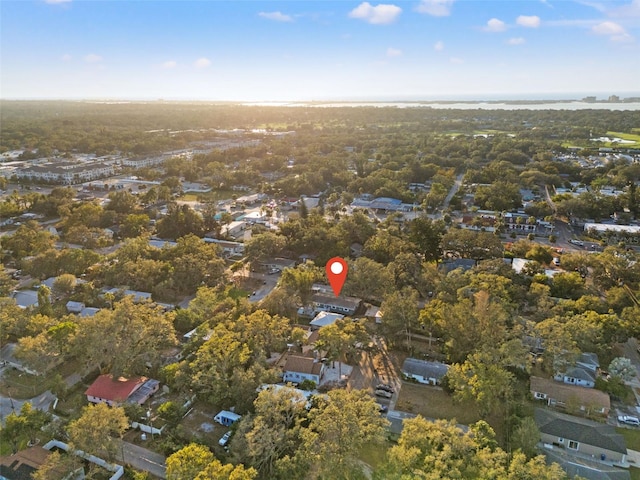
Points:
(244, 50)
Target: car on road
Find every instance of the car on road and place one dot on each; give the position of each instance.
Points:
(629, 420)
(273, 270)
(580, 243)
(383, 393)
(386, 387)
(225, 439)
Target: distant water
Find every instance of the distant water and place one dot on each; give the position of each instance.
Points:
(572, 105)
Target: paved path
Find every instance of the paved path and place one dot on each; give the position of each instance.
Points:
(41, 402)
(452, 192)
(143, 459)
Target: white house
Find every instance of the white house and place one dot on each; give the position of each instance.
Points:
(429, 373)
(297, 369)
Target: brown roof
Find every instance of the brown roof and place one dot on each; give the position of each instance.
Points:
(562, 392)
(118, 390)
(300, 364)
(24, 463)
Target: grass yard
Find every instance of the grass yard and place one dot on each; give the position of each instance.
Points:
(625, 136)
(374, 455)
(631, 437)
(431, 402)
(634, 473)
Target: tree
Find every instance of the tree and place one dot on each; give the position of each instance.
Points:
(188, 462)
(273, 432)
(138, 334)
(57, 467)
(469, 244)
(338, 428)
(435, 450)
(482, 378)
(526, 437)
(217, 471)
(29, 239)
(623, 368)
(135, 225)
(368, 280)
(400, 313)
(427, 234)
(99, 430)
(64, 285)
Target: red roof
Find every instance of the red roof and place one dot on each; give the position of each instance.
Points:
(106, 388)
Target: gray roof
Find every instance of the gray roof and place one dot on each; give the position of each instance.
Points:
(589, 360)
(584, 468)
(345, 302)
(414, 366)
(580, 373)
(580, 430)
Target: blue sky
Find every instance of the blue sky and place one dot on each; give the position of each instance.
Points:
(318, 50)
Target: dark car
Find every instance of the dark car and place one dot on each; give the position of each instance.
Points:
(386, 387)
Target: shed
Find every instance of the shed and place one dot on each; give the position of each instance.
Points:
(227, 418)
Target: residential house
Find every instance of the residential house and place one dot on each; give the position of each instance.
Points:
(429, 373)
(278, 263)
(322, 319)
(138, 297)
(555, 394)
(23, 464)
(583, 373)
(229, 249)
(114, 392)
(580, 437)
(330, 303)
(297, 369)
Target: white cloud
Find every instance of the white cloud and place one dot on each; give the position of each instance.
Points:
(202, 63)
(437, 8)
(66, 57)
(515, 41)
(495, 25)
(614, 31)
(608, 28)
(456, 60)
(92, 58)
(276, 16)
(530, 21)
(56, 2)
(382, 14)
(439, 46)
(170, 64)
(393, 52)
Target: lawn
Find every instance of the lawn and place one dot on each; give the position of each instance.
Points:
(22, 385)
(631, 437)
(625, 136)
(431, 402)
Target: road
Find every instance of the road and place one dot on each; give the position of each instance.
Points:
(142, 459)
(452, 192)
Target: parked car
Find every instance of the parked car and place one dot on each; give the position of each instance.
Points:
(383, 393)
(225, 439)
(386, 387)
(580, 243)
(629, 420)
(274, 270)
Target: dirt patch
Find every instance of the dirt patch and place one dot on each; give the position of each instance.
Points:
(201, 425)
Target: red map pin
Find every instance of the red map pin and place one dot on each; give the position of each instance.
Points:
(336, 273)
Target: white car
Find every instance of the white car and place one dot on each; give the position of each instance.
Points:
(383, 393)
(225, 439)
(629, 420)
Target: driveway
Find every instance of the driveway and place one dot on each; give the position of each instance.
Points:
(41, 402)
